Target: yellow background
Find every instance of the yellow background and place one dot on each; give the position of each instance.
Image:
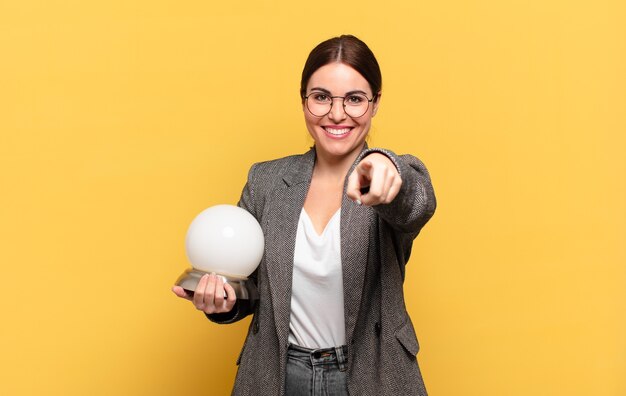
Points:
(121, 120)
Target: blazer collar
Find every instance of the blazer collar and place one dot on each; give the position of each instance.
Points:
(303, 171)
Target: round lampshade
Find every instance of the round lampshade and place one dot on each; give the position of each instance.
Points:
(225, 239)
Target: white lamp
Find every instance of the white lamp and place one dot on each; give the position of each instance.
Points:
(227, 240)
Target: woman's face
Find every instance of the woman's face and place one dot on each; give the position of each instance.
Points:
(337, 134)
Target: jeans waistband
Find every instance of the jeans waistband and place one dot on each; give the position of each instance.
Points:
(340, 353)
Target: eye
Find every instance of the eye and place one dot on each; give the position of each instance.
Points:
(321, 97)
(355, 99)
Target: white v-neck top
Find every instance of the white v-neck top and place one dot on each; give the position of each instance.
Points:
(317, 312)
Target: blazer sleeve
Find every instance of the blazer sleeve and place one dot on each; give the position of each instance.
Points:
(242, 308)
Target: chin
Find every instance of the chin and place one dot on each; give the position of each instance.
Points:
(339, 149)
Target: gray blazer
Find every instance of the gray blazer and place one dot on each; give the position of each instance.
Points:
(375, 246)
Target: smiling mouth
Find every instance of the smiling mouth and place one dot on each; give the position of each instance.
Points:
(337, 131)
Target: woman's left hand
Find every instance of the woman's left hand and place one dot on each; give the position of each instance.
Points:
(374, 181)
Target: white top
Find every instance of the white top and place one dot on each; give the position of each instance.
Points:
(317, 315)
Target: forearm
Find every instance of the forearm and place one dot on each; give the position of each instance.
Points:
(241, 309)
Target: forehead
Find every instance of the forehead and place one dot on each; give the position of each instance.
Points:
(338, 78)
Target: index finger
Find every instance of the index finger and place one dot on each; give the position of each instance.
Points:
(364, 167)
(358, 181)
(231, 296)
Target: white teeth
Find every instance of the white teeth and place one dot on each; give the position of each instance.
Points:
(337, 132)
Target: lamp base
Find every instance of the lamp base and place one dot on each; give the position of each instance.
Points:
(245, 289)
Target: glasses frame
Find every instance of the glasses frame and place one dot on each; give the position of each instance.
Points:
(332, 102)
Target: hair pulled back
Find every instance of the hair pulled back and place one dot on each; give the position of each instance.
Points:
(345, 49)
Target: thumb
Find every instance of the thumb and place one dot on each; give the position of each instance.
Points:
(182, 293)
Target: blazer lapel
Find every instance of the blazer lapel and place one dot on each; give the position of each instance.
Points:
(285, 205)
(355, 234)
(283, 214)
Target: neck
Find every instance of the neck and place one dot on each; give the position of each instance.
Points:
(330, 166)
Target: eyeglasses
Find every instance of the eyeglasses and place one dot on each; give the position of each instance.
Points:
(355, 105)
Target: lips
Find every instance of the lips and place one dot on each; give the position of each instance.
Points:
(337, 131)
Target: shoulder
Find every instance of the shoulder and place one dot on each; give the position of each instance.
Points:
(268, 176)
(287, 169)
(279, 165)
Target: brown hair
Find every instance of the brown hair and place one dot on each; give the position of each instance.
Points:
(345, 49)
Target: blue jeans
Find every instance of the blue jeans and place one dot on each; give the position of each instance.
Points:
(312, 372)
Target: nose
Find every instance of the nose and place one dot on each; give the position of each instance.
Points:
(337, 112)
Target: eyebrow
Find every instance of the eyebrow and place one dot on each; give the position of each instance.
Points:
(329, 93)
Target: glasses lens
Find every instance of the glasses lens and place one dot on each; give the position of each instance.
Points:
(356, 105)
(319, 103)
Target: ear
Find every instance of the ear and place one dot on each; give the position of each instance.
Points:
(303, 103)
(376, 102)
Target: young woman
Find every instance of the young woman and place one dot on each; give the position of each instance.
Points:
(339, 222)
